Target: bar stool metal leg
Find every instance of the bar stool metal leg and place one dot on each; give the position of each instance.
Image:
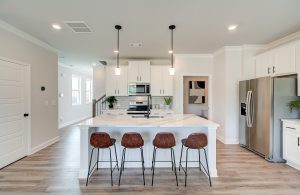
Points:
(111, 170)
(153, 164)
(97, 158)
(180, 157)
(199, 159)
(172, 160)
(172, 150)
(186, 161)
(143, 167)
(87, 179)
(122, 165)
(116, 157)
(207, 167)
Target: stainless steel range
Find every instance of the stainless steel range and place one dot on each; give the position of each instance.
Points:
(138, 107)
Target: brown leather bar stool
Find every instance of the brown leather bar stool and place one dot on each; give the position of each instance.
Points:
(102, 140)
(164, 140)
(132, 140)
(196, 141)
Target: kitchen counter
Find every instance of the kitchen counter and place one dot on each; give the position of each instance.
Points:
(168, 120)
(181, 125)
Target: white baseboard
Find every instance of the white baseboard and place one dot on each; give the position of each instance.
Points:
(44, 145)
(294, 165)
(227, 141)
(73, 122)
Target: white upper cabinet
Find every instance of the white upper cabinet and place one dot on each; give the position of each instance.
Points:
(161, 81)
(116, 85)
(276, 62)
(284, 60)
(263, 63)
(139, 71)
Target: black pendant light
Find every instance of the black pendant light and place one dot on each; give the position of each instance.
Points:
(118, 69)
(172, 69)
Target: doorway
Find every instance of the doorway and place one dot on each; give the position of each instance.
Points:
(195, 95)
(14, 111)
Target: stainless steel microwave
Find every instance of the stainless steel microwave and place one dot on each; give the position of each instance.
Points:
(139, 89)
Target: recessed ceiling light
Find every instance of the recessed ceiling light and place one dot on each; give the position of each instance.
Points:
(56, 26)
(94, 64)
(232, 27)
(116, 51)
(170, 51)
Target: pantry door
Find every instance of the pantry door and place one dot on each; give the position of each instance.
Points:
(14, 111)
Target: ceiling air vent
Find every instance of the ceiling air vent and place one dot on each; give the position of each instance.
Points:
(79, 26)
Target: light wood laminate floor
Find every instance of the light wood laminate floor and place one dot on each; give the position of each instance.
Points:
(54, 170)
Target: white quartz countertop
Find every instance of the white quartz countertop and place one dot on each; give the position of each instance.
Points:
(295, 121)
(172, 120)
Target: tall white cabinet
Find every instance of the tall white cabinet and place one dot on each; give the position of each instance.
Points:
(116, 85)
(139, 71)
(161, 81)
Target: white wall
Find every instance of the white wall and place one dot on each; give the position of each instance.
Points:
(99, 75)
(69, 114)
(219, 92)
(190, 65)
(43, 62)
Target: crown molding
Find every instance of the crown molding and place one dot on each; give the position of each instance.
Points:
(283, 40)
(27, 36)
(85, 70)
(194, 55)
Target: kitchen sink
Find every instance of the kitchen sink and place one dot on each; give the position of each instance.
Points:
(142, 116)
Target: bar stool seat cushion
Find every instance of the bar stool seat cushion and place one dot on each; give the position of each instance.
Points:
(195, 141)
(132, 140)
(164, 140)
(101, 140)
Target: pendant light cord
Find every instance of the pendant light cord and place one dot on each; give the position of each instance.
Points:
(172, 59)
(118, 48)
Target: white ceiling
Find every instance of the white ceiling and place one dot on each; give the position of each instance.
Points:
(201, 25)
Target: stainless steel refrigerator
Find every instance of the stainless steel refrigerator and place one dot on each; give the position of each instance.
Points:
(263, 103)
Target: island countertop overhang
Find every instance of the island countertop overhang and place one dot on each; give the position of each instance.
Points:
(168, 121)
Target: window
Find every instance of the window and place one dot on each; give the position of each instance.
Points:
(76, 90)
(88, 91)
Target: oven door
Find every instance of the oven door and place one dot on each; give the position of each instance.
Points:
(139, 89)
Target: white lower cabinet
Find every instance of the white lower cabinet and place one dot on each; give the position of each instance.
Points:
(291, 144)
(116, 85)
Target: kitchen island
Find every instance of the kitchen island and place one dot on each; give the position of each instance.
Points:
(181, 125)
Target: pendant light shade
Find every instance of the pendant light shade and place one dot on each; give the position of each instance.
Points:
(171, 52)
(118, 69)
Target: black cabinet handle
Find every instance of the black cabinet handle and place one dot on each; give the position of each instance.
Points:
(26, 115)
(298, 141)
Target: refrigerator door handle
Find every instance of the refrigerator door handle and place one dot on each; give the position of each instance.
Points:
(251, 108)
(247, 109)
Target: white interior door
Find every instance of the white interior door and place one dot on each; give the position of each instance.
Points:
(14, 91)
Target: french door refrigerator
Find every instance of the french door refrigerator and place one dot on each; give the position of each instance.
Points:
(263, 103)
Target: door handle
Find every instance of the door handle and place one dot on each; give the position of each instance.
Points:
(26, 114)
(268, 70)
(274, 69)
